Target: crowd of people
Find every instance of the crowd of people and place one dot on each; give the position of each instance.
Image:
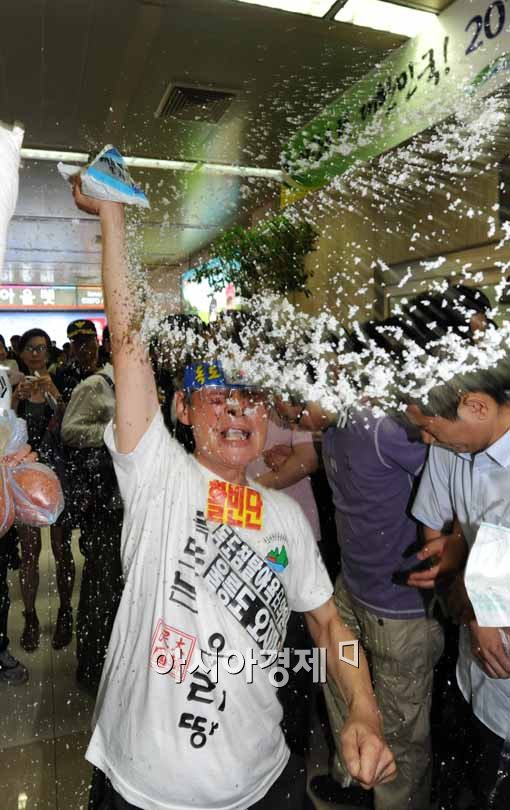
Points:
(66, 398)
(207, 526)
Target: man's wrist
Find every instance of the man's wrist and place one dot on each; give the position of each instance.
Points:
(363, 707)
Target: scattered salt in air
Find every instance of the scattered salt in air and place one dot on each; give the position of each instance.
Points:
(295, 353)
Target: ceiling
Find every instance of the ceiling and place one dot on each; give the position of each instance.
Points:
(427, 5)
(436, 6)
(84, 73)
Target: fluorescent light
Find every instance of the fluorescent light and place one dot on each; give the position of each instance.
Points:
(49, 154)
(315, 8)
(385, 16)
(165, 165)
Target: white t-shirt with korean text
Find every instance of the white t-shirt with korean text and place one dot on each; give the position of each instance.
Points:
(210, 567)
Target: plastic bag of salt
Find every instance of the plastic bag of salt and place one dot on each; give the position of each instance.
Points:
(107, 178)
(487, 576)
(11, 139)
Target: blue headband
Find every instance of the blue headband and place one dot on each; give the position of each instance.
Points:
(210, 375)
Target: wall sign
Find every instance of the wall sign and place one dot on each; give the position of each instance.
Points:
(35, 297)
(466, 49)
(89, 297)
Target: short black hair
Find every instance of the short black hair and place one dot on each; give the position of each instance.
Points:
(444, 399)
(32, 333)
(468, 297)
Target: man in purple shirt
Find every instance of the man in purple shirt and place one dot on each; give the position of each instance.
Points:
(372, 466)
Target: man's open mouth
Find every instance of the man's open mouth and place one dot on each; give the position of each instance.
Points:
(235, 435)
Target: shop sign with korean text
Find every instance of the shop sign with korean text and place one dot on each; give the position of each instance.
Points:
(44, 298)
(466, 50)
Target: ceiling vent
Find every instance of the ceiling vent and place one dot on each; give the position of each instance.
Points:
(192, 103)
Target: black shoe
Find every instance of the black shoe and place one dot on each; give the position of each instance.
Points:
(326, 788)
(11, 670)
(63, 629)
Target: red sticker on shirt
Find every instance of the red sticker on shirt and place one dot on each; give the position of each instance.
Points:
(171, 651)
(234, 504)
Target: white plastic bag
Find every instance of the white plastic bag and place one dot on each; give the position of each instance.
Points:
(29, 493)
(5, 388)
(38, 498)
(13, 433)
(107, 178)
(7, 509)
(487, 576)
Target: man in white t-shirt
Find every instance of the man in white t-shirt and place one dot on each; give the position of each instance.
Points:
(212, 564)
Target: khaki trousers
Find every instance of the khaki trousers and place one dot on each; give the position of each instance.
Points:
(402, 654)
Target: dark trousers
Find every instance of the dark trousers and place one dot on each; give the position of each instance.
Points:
(289, 790)
(9, 558)
(100, 592)
(493, 789)
(287, 793)
(451, 725)
(295, 697)
(5, 602)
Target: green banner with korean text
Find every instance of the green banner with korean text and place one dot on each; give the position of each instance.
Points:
(465, 50)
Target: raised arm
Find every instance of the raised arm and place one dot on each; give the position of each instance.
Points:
(135, 389)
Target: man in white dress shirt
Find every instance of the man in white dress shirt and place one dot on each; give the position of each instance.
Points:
(466, 483)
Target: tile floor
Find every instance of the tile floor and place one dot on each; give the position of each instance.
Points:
(44, 725)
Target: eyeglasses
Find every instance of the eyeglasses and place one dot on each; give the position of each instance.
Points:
(36, 349)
